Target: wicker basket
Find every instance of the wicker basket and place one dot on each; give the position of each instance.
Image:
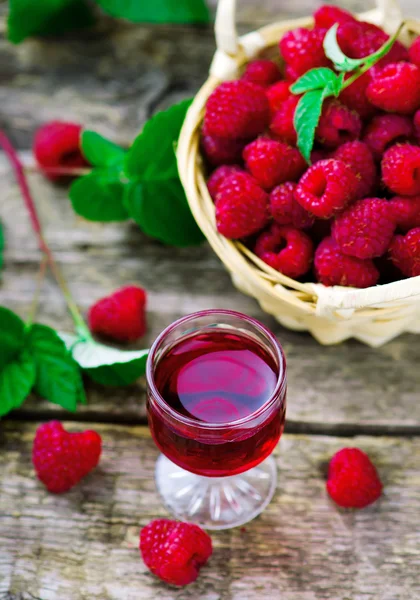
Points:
(331, 314)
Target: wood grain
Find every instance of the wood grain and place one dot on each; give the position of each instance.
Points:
(84, 544)
(345, 385)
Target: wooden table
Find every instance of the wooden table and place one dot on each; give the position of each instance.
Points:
(83, 545)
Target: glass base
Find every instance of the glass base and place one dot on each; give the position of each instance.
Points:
(216, 502)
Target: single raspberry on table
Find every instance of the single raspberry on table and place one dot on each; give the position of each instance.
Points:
(396, 88)
(286, 249)
(337, 125)
(405, 252)
(61, 459)
(401, 169)
(57, 146)
(236, 109)
(277, 94)
(285, 210)
(332, 267)
(120, 316)
(365, 229)
(262, 72)
(271, 162)
(384, 131)
(358, 156)
(406, 212)
(353, 481)
(302, 50)
(282, 123)
(414, 52)
(174, 551)
(327, 188)
(222, 151)
(327, 15)
(241, 207)
(354, 96)
(219, 176)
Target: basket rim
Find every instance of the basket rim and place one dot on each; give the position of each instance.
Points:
(309, 297)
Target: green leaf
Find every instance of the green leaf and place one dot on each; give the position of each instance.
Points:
(158, 11)
(58, 377)
(99, 151)
(41, 17)
(315, 79)
(104, 364)
(162, 211)
(334, 52)
(16, 381)
(306, 119)
(99, 195)
(156, 199)
(12, 335)
(1, 246)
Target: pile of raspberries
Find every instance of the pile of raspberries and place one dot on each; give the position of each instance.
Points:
(352, 217)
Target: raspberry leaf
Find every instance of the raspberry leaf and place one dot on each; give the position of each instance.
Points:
(99, 151)
(29, 17)
(156, 199)
(105, 364)
(16, 381)
(158, 11)
(336, 55)
(58, 377)
(99, 195)
(317, 79)
(12, 336)
(307, 115)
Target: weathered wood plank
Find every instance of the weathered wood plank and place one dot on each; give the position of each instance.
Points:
(348, 384)
(84, 544)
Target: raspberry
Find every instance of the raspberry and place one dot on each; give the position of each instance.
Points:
(358, 39)
(405, 252)
(384, 131)
(406, 212)
(271, 162)
(61, 459)
(302, 50)
(354, 96)
(57, 146)
(317, 155)
(285, 210)
(218, 177)
(326, 188)
(222, 151)
(237, 109)
(337, 125)
(353, 481)
(241, 207)
(286, 249)
(327, 15)
(401, 169)
(282, 123)
(396, 88)
(416, 122)
(262, 72)
(332, 267)
(358, 156)
(277, 94)
(365, 229)
(414, 52)
(120, 316)
(174, 551)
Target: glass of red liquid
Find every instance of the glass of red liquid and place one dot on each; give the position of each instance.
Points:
(216, 409)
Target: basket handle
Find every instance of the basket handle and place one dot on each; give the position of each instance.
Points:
(228, 41)
(331, 299)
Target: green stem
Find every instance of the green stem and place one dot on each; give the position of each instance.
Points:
(18, 168)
